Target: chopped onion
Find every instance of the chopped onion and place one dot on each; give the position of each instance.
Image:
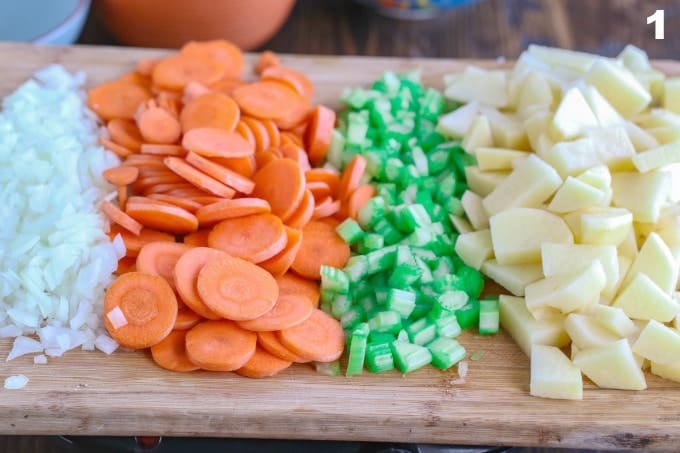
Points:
(117, 318)
(105, 344)
(15, 382)
(24, 345)
(462, 369)
(40, 359)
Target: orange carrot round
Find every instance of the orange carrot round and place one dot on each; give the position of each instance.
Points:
(330, 177)
(319, 132)
(297, 154)
(198, 178)
(254, 238)
(273, 133)
(281, 182)
(213, 142)
(303, 214)
(319, 189)
(157, 125)
(116, 99)
(292, 284)
(197, 238)
(186, 319)
(186, 277)
(259, 131)
(269, 341)
(272, 100)
(175, 72)
(215, 110)
(172, 219)
(295, 80)
(181, 202)
(115, 148)
(326, 208)
(263, 158)
(288, 311)
(219, 50)
(121, 175)
(227, 209)
(125, 133)
(359, 198)
(266, 60)
(126, 264)
(133, 244)
(159, 258)
(220, 345)
(158, 149)
(321, 245)
(319, 338)
(351, 176)
(280, 263)
(121, 218)
(221, 173)
(263, 364)
(171, 354)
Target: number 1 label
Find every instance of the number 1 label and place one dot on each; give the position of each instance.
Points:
(658, 20)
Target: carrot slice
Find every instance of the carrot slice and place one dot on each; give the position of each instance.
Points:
(295, 120)
(186, 319)
(319, 189)
(319, 338)
(351, 176)
(125, 133)
(169, 187)
(170, 101)
(139, 309)
(266, 60)
(192, 90)
(153, 183)
(271, 100)
(135, 78)
(326, 208)
(289, 137)
(184, 203)
(213, 142)
(126, 264)
(220, 345)
(204, 199)
(273, 132)
(116, 99)
(221, 173)
(288, 311)
(321, 245)
(167, 218)
(269, 341)
(158, 149)
(121, 175)
(236, 289)
(304, 212)
(145, 160)
(359, 198)
(295, 80)
(175, 72)
(254, 238)
(157, 125)
(227, 209)
(263, 158)
(186, 277)
(330, 177)
(297, 154)
(245, 132)
(259, 131)
(115, 148)
(280, 263)
(171, 354)
(145, 66)
(159, 258)
(121, 218)
(133, 244)
(198, 178)
(197, 238)
(226, 85)
(263, 364)
(319, 133)
(220, 50)
(289, 283)
(280, 182)
(214, 110)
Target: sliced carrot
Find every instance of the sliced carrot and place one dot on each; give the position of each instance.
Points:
(219, 50)
(288, 311)
(211, 109)
(145, 66)
(290, 283)
(263, 364)
(326, 208)
(116, 99)
(121, 218)
(221, 173)
(280, 263)
(125, 133)
(152, 183)
(296, 120)
(236, 289)
(204, 199)
(269, 341)
(121, 175)
(280, 182)
(226, 85)
(263, 158)
(319, 133)
(320, 190)
(150, 171)
(145, 199)
(158, 149)
(122, 196)
(171, 354)
(175, 72)
(139, 310)
(192, 90)
(227, 209)
(213, 142)
(245, 132)
(359, 198)
(303, 214)
(169, 187)
(126, 264)
(220, 345)
(186, 319)
(159, 258)
(167, 218)
(145, 161)
(133, 244)
(351, 176)
(186, 277)
(197, 238)
(266, 60)
(184, 203)
(295, 80)
(198, 178)
(319, 338)
(272, 100)
(321, 245)
(170, 101)
(259, 131)
(297, 154)
(273, 132)
(254, 238)
(289, 137)
(115, 148)
(330, 177)
(157, 125)
(135, 78)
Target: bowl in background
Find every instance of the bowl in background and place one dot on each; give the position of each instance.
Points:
(42, 22)
(171, 23)
(414, 9)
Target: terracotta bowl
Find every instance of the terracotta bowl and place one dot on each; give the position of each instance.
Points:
(171, 23)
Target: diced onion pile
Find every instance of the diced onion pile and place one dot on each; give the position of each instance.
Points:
(55, 256)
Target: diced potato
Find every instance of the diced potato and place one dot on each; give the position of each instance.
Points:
(529, 185)
(457, 123)
(613, 319)
(572, 117)
(553, 375)
(494, 159)
(653, 81)
(641, 139)
(579, 62)
(611, 366)
(481, 85)
(527, 331)
(536, 126)
(483, 182)
(618, 85)
(606, 226)
(564, 258)
(634, 58)
(658, 118)
(506, 128)
(517, 234)
(474, 210)
(657, 157)
(461, 224)
(624, 265)
(629, 247)
(643, 194)
(512, 277)
(568, 292)
(575, 194)
(671, 94)
(598, 176)
(671, 371)
(613, 147)
(606, 114)
(475, 248)
(535, 91)
(587, 332)
(643, 299)
(665, 135)
(478, 134)
(657, 262)
(658, 343)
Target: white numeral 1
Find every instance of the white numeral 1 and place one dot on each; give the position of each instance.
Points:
(658, 20)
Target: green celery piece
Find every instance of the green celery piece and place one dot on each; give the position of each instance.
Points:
(336, 149)
(473, 281)
(380, 337)
(421, 331)
(356, 268)
(352, 317)
(446, 352)
(328, 368)
(385, 321)
(350, 231)
(372, 212)
(357, 349)
(404, 276)
(447, 326)
(420, 161)
(402, 336)
(488, 316)
(438, 160)
(379, 357)
(333, 279)
(468, 316)
(389, 232)
(370, 242)
(444, 266)
(403, 302)
(381, 260)
(392, 169)
(410, 357)
(341, 304)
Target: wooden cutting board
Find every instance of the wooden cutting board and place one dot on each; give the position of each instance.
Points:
(125, 394)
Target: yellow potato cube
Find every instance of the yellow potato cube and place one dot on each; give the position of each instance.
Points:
(512, 277)
(611, 366)
(553, 375)
(658, 343)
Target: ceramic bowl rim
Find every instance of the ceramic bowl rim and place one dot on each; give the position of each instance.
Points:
(80, 10)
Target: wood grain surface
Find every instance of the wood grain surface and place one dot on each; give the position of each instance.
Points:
(125, 394)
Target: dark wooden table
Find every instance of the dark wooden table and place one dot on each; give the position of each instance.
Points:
(487, 29)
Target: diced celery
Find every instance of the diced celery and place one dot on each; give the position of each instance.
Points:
(333, 279)
(381, 260)
(468, 316)
(420, 161)
(447, 326)
(379, 357)
(385, 321)
(403, 302)
(370, 242)
(328, 368)
(473, 281)
(414, 216)
(372, 212)
(450, 301)
(352, 317)
(409, 357)
(341, 304)
(403, 276)
(402, 336)
(357, 350)
(356, 268)
(350, 231)
(421, 331)
(446, 352)
(389, 232)
(488, 316)
(380, 337)
(444, 266)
